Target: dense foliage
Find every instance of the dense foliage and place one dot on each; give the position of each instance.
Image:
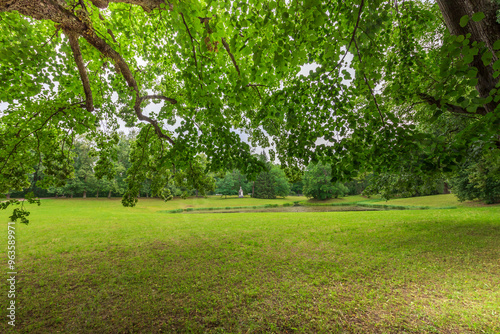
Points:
(231, 183)
(318, 183)
(478, 178)
(271, 183)
(384, 73)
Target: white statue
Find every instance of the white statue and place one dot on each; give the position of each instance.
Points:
(240, 193)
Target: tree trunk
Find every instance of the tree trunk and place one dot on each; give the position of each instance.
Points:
(8, 196)
(253, 188)
(71, 196)
(486, 31)
(97, 195)
(446, 190)
(109, 194)
(85, 194)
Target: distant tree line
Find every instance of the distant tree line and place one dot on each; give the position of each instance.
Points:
(478, 178)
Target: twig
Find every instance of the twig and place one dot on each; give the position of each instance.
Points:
(352, 38)
(368, 84)
(50, 39)
(192, 43)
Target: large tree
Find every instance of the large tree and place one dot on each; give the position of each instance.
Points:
(384, 69)
(318, 183)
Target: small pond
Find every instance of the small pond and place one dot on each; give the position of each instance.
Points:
(294, 209)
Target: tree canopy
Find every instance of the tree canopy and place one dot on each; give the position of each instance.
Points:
(318, 184)
(385, 73)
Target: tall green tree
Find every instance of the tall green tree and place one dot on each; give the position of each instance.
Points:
(271, 183)
(318, 183)
(478, 178)
(225, 185)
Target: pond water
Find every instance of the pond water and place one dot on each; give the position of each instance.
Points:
(292, 209)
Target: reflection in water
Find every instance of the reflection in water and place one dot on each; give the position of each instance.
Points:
(294, 209)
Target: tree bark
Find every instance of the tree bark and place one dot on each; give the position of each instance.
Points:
(85, 194)
(97, 195)
(8, 196)
(486, 31)
(109, 194)
(446, 190)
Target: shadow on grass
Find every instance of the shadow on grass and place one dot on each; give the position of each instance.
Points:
(333, 278)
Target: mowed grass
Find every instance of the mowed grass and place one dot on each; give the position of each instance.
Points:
(92, 266)
(432, 201)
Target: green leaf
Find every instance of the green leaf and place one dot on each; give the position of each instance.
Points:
(464, 20)
(436, 115)
(478, 16)
(496, 45)
(487, 57)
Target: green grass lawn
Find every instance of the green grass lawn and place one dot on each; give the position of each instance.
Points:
(92, 266)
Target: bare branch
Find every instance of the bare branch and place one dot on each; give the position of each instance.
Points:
(77, 55)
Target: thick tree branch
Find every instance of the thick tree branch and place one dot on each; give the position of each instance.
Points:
(450, 107)
(107, 50)
(53, 10)
(43, 6)
(226, 46)
(154, 123)
(147, 5)
(77, 55)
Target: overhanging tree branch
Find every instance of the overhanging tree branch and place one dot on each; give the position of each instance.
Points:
(450, 107)
(108, 51)
(77, 55)
(192, 43)
(226, 46)
(352, 37)
(158, 97)
(368, 84)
